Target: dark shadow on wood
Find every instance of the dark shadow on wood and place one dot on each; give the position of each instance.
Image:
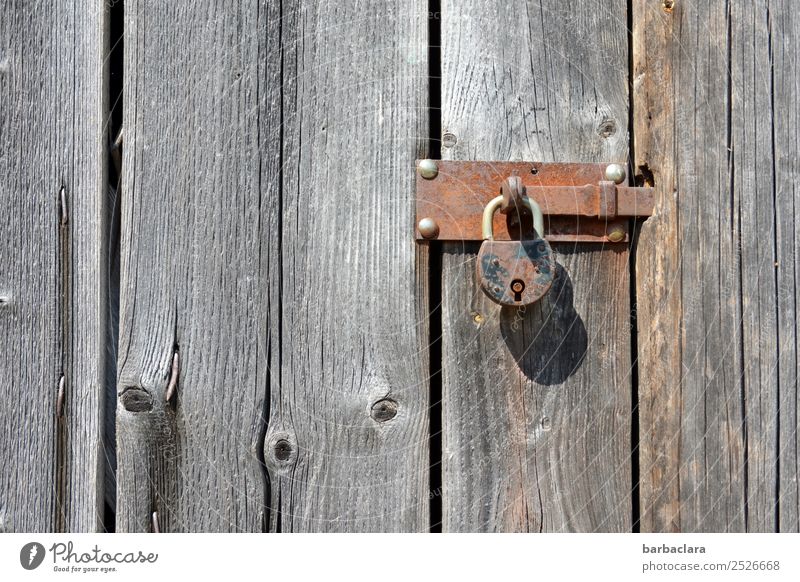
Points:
(547, 339)
(435, 274)
(115, 60)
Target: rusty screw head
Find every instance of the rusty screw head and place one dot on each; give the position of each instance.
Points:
(428, 169)
(615, 173)
(428, 228)
(616, 234)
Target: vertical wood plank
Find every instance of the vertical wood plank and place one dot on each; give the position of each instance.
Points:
(199, 223)
(784, 27)
(267, 239)
(347, 443)
(52, 314)
(753, 197)
(536, 404)
(658, 264)
(715, 269)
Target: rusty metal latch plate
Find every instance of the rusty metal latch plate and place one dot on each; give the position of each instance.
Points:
(578, 203)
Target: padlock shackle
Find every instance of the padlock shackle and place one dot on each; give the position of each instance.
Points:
(487, 227)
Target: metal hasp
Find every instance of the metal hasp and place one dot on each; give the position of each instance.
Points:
(579, 202)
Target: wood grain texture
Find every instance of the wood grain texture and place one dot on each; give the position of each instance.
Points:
(267, 213)
(716, 267)
(52, 314)
(199, 225)
(536, 405)
(784, 28)
(352, 281)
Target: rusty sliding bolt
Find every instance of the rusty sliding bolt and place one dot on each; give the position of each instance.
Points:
(580, 202)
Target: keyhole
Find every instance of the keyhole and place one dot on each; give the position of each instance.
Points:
(517, 287)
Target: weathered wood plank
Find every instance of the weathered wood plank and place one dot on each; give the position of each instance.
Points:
(754, 206)
(199, 223)
(784, 27)
(353, 293)
(313, 301)
(717, 340)
(659, 302)
(536, 405)
(52, 314)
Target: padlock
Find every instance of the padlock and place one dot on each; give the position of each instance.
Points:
(515, 272)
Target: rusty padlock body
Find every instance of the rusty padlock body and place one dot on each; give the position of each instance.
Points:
(513, 272)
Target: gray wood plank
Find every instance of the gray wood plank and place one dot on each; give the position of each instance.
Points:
(52, 313)
(753, 199)
(303, 311)
(717, 339)
(352, 280)
(785, 51)
(199, 223)
(536, 405)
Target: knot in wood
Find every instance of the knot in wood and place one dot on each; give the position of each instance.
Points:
(136, 399)
(283, 450)
(607, 128)
(384, 410)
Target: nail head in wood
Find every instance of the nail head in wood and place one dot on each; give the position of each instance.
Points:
(615, 173)
(428, 228)
(60, 397)
(173, 379)
(616, 235)
(62, 200)
(428, 169)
